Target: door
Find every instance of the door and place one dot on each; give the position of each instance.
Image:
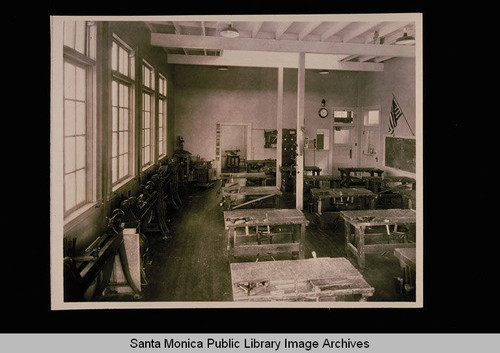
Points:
(370, 137)
(233, 141)
(344, 148)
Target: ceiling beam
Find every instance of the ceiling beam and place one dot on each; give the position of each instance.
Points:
(311, 26)
(204, 33)
(275, 60)
(358, 31)
(337, 27)
(253, 44)
(282, 27)
(178, 31)
(256, 28)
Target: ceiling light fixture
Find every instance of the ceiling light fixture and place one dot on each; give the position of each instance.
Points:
(222, 68)
(324, 72)
(229, 32)
(405, 39)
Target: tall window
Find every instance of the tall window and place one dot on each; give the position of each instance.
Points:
(147, 114)
(122, 129)
(78, 111)
(162, 116)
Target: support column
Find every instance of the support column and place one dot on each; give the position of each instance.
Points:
(299, 177)
(279, 128)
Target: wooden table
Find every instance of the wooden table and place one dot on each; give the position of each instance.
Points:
(315, 279)
(288, 174)
(327, 203)
(261, 165)
(316, 181)
(313, 169)
(409, 198)
(265, 231)
(407, 261)
(372, 183)
(389, 181)
(393, 192)
(347, 174)
(390, 238)
(243, 177)
(240, 196)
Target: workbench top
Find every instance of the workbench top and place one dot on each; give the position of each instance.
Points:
(341, 192)
(291, 278)
(360, 169)
(321, 177)
(263, 216)
(407, 256)
(398, 179)
(252, 190)
(379, 216)
(408, 193)
(257, 175)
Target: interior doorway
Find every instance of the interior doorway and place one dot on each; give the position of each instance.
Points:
(235, 147)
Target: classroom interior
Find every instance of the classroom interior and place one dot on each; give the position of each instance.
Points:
(275, 164)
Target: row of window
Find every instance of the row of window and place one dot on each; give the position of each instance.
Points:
(79, 112)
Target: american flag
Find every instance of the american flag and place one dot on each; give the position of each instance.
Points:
(395, 115)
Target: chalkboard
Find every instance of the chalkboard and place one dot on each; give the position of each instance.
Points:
(400, 153)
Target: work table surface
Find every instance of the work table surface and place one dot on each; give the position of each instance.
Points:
(252, 190)
(379, 217)
(290, 279)
(259, 175)
(263, 216)
(341, 192)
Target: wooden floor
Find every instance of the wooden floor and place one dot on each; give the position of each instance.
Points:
(192, 264)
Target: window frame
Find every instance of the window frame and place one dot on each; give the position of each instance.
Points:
(148, 91)
(81, 60)
(162, 116)
(129, 81)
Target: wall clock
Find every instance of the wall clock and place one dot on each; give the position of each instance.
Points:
(323, 112)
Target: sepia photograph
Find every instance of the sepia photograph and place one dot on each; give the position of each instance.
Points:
(236, 161)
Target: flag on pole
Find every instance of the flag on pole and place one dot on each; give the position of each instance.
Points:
(395, 115)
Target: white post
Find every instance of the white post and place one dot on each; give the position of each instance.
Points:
(299, 178)
(279, 127)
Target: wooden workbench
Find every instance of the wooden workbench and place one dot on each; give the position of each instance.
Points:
(243, 177)
(316, 279)
(288, 176)
(327, 203)
(265, 231)
(390, 238)
(354, 175)
(407, 261)
(409, 198)
(261, 165)
(392, 192)
(249, 196)
(393, 180)
(315, 181)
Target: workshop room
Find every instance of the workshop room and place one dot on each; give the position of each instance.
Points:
(236, 160)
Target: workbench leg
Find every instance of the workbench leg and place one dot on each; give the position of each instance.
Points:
(276, 201)
(227, 203)
(372, 203)
(347, 227)
(229, 236)
(302, 241)
(363, 298)
(360, 232)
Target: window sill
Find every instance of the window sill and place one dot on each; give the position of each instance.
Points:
(82, 213)
(122, 183)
